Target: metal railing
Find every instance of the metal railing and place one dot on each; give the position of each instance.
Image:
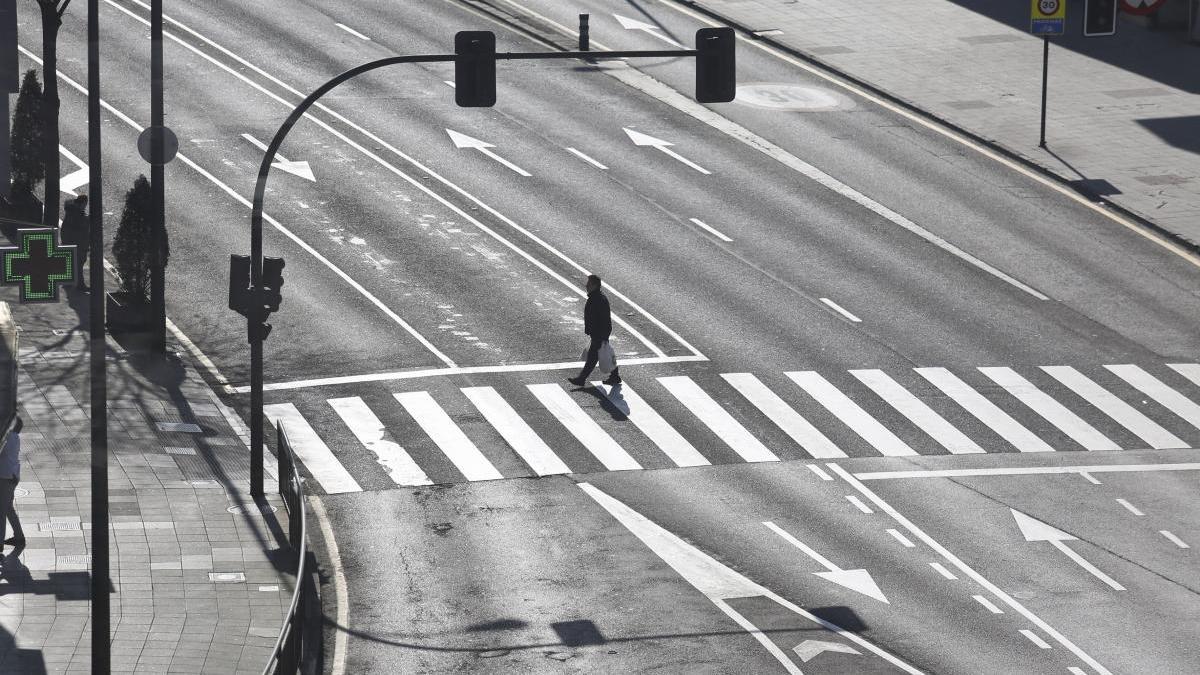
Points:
(291, 648)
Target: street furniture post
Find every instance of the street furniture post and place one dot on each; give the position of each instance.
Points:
(1045, 78)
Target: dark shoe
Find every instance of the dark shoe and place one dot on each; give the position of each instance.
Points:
(577, 381)
(613, 380)
(15, 541)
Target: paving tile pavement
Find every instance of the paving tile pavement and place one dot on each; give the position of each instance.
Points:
(1122, 109)
(196, 588)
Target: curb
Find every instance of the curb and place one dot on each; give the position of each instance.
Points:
(1090, 195)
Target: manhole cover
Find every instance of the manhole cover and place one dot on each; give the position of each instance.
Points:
(180, 427)
(793, 97)
(226, 577)
(58, 527)
(74, 560)
(180, 451)
(251, 510)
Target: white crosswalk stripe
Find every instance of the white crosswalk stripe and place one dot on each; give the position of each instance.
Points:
(984, 410)
(1126, 415)
(1157, 390)
(311, 450)
(917, 412)
(449, 438)
(576, 420)
(1053, 411)
(851, 414)
(369, 431)
(670, 441)
(783, 415)
(717, 419)
(515, 431)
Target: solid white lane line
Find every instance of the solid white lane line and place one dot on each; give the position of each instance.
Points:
(710, 228)
(900, 538)
(449, 438)
(1130, 507)
(1126, 415)
(820, 472)
(194, 350)
(799, 429)
(988, 604)
(984, 410)
(372, 434)
(840, 310)
(418, 184)
(851, 414)
(1157, 390)
(1174, 540)
(670, 441)
(587, 159)
(1028, 470)
(967, 570)
(917, 411)
(858, 504)
(717, 419)
(351, 31)
(576, 420)
(311, 450)
(943, 571)
(515, 431)
(1034, 638)
(1051, 410)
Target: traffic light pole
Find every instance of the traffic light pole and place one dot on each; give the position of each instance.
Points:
(1045, 79)
(255, 317)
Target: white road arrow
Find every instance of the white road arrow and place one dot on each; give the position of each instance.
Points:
(809, 648)
(634, 24)
(76, 179)
(1035, 530)
(641, 139)
(301, 168)
(465, 141)
(856, 580)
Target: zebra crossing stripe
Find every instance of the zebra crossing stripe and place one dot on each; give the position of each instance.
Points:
(446, 434)
(917, 411)
(576, 420)
(1155, 389)
(515, 431)
(1126, 415)
(984, 410)
(801, 430)
(370, 432)
(1053, 411)
(1189, 370)
(311, 450)
(717, 419)
(670, 441)
(851, 414)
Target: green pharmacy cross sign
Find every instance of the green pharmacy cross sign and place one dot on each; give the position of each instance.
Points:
(40, 265)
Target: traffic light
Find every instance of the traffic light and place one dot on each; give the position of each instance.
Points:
(272, 281)
(239, 283)
(715, 77)
(1099, 18)
(475, 68)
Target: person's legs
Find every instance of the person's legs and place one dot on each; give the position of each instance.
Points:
(7, 490)
(81, 254)
(589, 364)
(13, 518)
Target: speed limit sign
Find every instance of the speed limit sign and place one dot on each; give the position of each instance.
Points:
(1048, 16)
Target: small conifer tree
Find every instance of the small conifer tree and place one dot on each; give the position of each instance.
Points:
(131, 245)
(28, 134)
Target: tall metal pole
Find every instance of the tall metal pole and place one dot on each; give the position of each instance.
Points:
(158, 192)
(1045, 78)
(100, 575)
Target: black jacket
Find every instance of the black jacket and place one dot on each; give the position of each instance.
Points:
(597, 321)
(76, 228)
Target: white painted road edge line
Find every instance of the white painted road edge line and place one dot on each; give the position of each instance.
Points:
(1174, 540)
(342, 632)
(1027, 470)
(967, 570)
(587, 159)
(710, 228)
(841, 310)
(352, 31)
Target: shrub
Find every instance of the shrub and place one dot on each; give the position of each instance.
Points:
(28, 133)
(131, 245)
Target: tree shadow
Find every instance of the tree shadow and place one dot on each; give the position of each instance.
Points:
(1179, 132)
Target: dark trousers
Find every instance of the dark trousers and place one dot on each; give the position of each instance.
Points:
(593, 356)
(81, 256)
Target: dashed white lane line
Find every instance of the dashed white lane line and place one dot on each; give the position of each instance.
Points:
(1090, 478)
(1035, 638)
(1076, 670)
(820, 472)
(1173, 539)
(858, 503)
(900, 538)
(351, 31)
(587, 159)
(840, 310)
(710, 229)
(1132, 509)
(943, 571)
(991, 607)
(450, 83)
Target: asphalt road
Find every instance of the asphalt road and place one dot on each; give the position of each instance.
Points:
(803, 278)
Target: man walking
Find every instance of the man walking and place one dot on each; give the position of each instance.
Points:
(76, 230)
(597, 324)
(10, 475)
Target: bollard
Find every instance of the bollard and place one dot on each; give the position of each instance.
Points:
(583, 33)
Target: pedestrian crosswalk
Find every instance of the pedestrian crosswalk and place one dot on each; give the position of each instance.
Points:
(449, 434)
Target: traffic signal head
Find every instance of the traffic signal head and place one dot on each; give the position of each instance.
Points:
(475, 68)
(1099, 18)
(715, 76)
(239, 283)
(272, 281)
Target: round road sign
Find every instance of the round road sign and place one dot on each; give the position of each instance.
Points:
(170, 145)
(1048, 7)
(1141, 6)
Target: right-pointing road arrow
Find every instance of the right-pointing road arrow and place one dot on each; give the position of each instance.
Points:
(299, 168)
(1035, 530)
(641, 139)
(856, 580)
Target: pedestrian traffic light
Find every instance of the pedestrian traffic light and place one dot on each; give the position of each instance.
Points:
(272, 281)
(239, 283)
(715, 77)
(475, 68)
(1099, 18)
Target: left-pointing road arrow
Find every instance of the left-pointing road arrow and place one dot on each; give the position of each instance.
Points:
(640, 139)
(634, 24)
(465, 141)
(301, 168)
(1035, 530)
(76, 179)
(855, 580)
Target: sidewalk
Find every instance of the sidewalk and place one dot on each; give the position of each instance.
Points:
(1124, 111)
(197, 587)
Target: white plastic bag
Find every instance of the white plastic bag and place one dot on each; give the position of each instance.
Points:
(608, 360)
